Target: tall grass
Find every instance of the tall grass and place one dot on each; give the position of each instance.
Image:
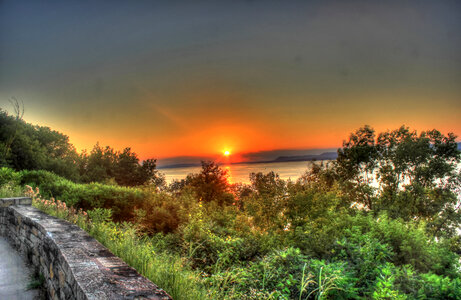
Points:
(10, 190)
(166, 270)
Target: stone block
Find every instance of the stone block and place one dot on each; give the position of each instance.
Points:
(51, 271)
(34, 231)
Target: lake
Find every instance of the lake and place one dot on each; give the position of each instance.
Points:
(241, 172)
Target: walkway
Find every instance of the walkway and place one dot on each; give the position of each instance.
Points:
(14, 275)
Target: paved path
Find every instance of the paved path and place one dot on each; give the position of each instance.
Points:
(14, 275)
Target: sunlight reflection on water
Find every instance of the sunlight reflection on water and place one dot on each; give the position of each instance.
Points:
(241, 172)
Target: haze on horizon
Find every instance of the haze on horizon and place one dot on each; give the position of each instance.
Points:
(176, 78)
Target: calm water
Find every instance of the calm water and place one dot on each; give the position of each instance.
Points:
(241, 172)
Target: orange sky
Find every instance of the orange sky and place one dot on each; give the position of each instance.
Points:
(183, 79)
(247, 130)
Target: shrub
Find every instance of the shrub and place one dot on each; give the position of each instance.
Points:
(408, 243)
(439, 287)
(121, 200)
(287, 274)
(9, 176)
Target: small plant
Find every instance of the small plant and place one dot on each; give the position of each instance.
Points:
(36, 282)
(325, 284)
(306, 280)
(384, 288)
(9, 189)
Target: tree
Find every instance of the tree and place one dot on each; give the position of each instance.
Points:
(105, 164)
(150, 173)
(211, 184)
(25, 146)
(268, 200)
(356, 164)
(8, 140)
(413, 176)
(99, 164)
(127, 170)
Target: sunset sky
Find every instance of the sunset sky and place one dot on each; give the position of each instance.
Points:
(186, 78)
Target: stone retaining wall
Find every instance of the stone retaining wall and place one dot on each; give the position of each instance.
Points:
(75, 265)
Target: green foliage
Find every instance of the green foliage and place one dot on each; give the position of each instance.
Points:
(9, 183)
(288, 274)
(416, 175)
(211, 184)
(369, 242)
(100, 215)
(266, 201)
(36, 282)
(314, 220)
(9, 176)
(380, 222)
(365, 255)
(165, 269)
(122, 200)
(384, 286)
(104, 164)
(439, 287)
(24, 146)
(160, 212)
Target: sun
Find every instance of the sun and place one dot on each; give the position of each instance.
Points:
(226, 152)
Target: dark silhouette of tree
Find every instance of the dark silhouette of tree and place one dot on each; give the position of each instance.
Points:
(211, 184)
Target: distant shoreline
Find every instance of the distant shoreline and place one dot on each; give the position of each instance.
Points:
(281, 159)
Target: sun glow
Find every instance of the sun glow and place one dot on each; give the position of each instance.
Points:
(226, 152)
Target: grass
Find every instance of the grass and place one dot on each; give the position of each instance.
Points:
(10, 190)
(166, 270)
(36, 282)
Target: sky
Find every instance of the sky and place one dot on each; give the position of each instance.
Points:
(195, 78)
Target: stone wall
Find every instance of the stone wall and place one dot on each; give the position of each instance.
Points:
(75, 265)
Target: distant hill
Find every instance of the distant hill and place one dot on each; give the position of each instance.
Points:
(323, 156)
(265, 156)
(174, 166)
(310, 157)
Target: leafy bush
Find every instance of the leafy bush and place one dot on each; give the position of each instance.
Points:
(9, 176)
(287, 274)
(384, 286)
(9, 183)
(439, 287)
(121, 200)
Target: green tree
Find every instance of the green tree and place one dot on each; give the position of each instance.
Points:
(106, 164)
(150, 173)
(99, 164)
(211, 184)
(268, 200)
(409, 175)
(25, 146)
(356, 165)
